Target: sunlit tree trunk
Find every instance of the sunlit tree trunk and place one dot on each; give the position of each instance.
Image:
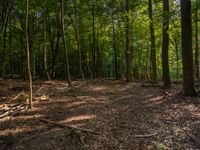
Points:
(28, 53)
(187, 56)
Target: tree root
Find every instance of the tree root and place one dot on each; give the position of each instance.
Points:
(76, 129)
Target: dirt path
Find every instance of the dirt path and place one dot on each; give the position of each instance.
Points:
(127, 115)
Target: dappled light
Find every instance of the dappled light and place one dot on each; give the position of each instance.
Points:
(79, 118)
(99, 75)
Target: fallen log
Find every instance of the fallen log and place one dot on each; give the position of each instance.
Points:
(67, 126)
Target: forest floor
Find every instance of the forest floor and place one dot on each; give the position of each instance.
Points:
(126, 116)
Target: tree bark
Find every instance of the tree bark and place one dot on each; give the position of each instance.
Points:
(153, 45)
(45, 50)
(187, 56)
(28, 53)
(94, 42)
(165, 46)
(196, 44)
(65, 43)
(115, 48)
(128, 48)
(76, 28)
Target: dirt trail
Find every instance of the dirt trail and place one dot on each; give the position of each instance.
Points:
(127, 115)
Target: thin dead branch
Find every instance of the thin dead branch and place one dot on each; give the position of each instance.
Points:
(67, 126)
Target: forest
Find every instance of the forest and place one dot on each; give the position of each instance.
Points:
(99, 74)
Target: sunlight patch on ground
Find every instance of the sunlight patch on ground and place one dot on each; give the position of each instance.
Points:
(86, 98)
(155, 100)
(79, 118)
(98, 88)
(76, 104)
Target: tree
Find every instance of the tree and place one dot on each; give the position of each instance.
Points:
(77, 35)
(153, 46)
(45, 49)
(187, 55)
(165, 46)
(28, 53)
(64, 42)
(128, 48)
(196, 42)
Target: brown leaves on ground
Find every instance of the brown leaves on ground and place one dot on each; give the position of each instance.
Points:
(127, 115)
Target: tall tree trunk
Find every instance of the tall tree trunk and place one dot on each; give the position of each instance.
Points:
(76, 28)
(28, 53)
(10, 53)
(128, 48)
(94, 42)
(187, 56)
(65, 43)
(165, 46)
(153, 45)
(115, 48)
(3, 33)
(177, 57)
(196, 43)
(45, 50)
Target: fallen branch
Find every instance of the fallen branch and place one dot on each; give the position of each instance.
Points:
(165, 92)
(145, 85)
(13, 111)
(16, 97)
(39, 90)
(146, 135)
(67, 126)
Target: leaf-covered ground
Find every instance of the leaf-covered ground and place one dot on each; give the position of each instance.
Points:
(126, 116)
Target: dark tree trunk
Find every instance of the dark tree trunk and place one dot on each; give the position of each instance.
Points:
(94, 43)
(115, 48)
(196, 44)
(153, 45)
(128, 48)
(187, 56)
(45, 50)
(165, 46)
(177, 57)
(65, 43)
(77, 35)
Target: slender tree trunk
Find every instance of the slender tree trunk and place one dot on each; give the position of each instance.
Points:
(187, 56)
(65, 43)
(128, 48)
(94, 43)
(3, 37)
(76, 28)
(115, 48)
(45, 49)
(177, 57)
(10, 53)
(196, 44)
(165, 46)
(153, 45)
(28, 53)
